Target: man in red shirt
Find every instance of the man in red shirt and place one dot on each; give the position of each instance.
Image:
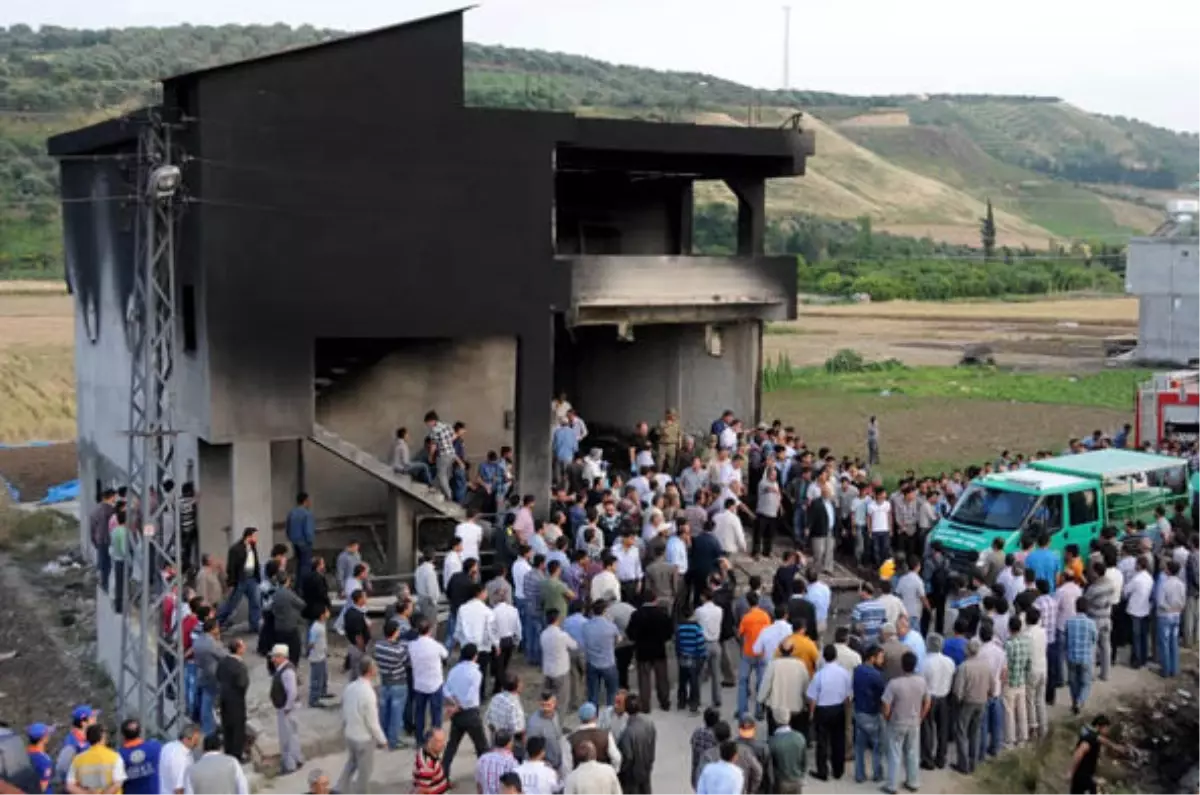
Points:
(429, 777)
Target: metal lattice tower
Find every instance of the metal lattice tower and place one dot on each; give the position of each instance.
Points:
(151, 679)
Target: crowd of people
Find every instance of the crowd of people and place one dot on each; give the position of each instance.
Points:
(628, 599)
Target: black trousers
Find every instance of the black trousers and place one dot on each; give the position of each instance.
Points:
(484, 661)
(765, 528)
(500, 663)
(935, 732)
(233, 726)
(654, 672)
(468, 722)
(830, 726)
(935, 616)
(624, 657)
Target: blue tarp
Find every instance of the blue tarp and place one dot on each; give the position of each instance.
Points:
(63, 492)
(13, 494)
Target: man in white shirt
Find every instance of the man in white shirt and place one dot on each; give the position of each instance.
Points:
(893, 607)
(176, 757)
(476, 626)
(938, 671)
(470, 533)
(827, 694)
(360, 715)
(425, 655)
(879, 517)
(1039, 669)
(557, 646)
(605, 585)
(453, 562)
(537, 777)
(709, 615)
(727, 440)
(429, 590)
(727, 528)
(629, 565)
(1137, 594)
(508, 638)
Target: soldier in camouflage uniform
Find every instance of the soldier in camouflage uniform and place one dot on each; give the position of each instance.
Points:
(670, 436)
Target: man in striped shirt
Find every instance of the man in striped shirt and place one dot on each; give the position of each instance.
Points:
(443, 439)
(391, 658)
(429, 778)
(494, 764)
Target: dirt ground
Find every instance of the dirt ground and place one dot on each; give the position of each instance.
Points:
(932, 434)
(1037, 335)
(32, 470)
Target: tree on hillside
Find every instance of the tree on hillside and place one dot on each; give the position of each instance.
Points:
(987, 232)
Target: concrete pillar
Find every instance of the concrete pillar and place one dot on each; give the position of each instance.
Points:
(752, 216)
(535, 384)
(214, 484)
(687, 205)
(251, 486)
(401, 532)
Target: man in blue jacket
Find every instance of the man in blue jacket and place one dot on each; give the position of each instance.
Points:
(301, 528)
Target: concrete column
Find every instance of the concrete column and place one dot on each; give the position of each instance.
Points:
(687, 205)
(214, 484)
(535, 382)
(251, 486)
(752, 216)
(401, 532)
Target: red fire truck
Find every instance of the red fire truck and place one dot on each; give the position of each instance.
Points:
(1168, 407)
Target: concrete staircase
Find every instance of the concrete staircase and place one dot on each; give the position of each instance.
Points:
(353, 454)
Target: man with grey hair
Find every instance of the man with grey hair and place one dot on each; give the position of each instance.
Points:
(215, 773)
(893, 652)
(974, 684)
(318, 782)
(938, 670)
(363, 732)
(176, 757)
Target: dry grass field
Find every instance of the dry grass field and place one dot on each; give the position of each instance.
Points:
(38, 396)
(37, 374)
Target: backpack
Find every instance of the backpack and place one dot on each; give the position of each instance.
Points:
(278, 691)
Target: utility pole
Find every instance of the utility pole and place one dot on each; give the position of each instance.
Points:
(150, 685)
(787, 47)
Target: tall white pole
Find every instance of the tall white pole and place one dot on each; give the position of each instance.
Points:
(787, 46)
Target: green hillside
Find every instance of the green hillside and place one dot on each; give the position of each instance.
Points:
(916, 166)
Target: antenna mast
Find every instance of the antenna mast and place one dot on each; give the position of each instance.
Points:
(787, 47)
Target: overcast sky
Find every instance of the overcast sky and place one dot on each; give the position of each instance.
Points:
(1135, 60)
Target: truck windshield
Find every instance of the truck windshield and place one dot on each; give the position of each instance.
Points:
(990, 508)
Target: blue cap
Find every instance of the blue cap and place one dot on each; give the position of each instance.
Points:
(37, 731)
(587, 712)
(82, 712)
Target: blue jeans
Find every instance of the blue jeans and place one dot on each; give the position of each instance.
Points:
(867, 730)
(245, 588)
(304, 558)
(904, 743)
(318, 681)
(689, 681)
(597, 675)
(523, 615)
(747, 666)
(423, 702)
(451, 626)
(392, 700)
(881, 546)
(533, 654)
(208, 710)
(798, 528)
(1168, 643)
(419, 471)
(1140, 641)
(991, 728)
(458, 485)
(191, 688)
(1079, 682)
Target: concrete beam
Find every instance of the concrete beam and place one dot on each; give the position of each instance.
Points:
(752, 214)
(401, 532)
(535, 384)
(250, 476)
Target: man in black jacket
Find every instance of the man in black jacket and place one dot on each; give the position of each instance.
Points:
(232, 682)
(702, 560)
(784, 582)
(314, 590)
(822, 529)
(799, 609)
(244, 572)
(650, 629)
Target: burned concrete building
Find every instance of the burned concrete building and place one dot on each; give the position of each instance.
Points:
(357, 247)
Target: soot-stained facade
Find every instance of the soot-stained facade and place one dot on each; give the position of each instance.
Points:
(351, 236)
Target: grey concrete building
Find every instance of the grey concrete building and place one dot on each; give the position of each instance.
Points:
(1163, 271)
(358, 247)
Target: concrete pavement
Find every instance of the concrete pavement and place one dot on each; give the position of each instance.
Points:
(393, 769)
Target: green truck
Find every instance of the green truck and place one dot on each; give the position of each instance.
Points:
(1070, 497)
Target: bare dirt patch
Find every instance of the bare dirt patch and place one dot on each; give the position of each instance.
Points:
(895, 118)
(932, 433)
(33, 470)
